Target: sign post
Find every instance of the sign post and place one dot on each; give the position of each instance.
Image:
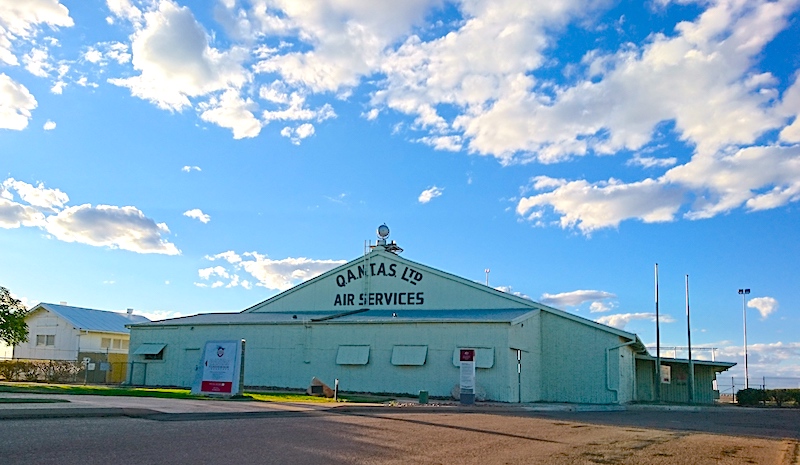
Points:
(220, 372)
(467, 378)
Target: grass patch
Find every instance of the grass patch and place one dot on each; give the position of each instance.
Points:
(30, 400)
(174, 393)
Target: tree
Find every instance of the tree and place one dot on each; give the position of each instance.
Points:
(13, 329)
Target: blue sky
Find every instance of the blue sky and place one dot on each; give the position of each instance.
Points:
(186, 157)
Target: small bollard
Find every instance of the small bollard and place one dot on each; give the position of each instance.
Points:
(423, 397)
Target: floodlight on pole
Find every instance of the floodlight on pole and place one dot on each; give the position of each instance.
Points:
(744, 292)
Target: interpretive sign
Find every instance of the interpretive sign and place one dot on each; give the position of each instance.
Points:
(666, 374)
(467, 378)
(220, 369)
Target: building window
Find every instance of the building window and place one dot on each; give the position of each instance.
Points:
(409, 355)
(45, 339)
(125, 343)
(151, 351)
(105, 343)
(352, 355)
(116, 344)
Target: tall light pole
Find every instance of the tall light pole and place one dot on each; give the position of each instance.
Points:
(744, 292)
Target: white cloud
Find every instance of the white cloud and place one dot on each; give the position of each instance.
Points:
(189, 169)
(175, 61)
(123, 228)
(296, 135)
(622, 319)
(208, 273)
(197, 214)
(41, 197)
(272, 274)
(777, 359)
(508, 290)
(652, 162)
(429, 194)
(231, 111)
(765, 305)
(49, 125)
(347, 39)
(13, 215)
(156, 315)
(16, 104)
(575, 298)
(20, 21)
(124, 9)
(604, 204)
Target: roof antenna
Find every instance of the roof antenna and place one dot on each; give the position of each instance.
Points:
(383, 233)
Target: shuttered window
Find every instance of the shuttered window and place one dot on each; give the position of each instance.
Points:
(352, 355)
(409, 355)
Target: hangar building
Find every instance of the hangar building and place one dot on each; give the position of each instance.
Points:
(385, 324)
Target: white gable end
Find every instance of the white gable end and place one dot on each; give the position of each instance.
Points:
(383, 280)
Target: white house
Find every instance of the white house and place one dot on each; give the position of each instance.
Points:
(62, 332)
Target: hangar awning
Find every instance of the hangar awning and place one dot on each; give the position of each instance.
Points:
(409, 355)
(149, 349)
(352, 355)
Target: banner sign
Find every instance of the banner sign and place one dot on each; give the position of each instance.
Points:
(220, 369)
(666, 374)
(467, 381)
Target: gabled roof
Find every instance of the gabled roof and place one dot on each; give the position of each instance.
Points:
(476, 291)
(88, 319)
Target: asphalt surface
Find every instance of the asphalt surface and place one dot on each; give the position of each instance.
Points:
(97, 429)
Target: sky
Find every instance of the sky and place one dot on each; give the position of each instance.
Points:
(181, 157)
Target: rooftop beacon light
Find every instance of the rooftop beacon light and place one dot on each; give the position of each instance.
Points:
(383, 233)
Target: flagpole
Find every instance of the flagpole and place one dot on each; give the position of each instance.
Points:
(689, 340)
(658, 347)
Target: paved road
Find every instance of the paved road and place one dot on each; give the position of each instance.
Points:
(386, 435)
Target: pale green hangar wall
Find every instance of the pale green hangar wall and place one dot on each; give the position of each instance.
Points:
(576, 367)
(289, 355)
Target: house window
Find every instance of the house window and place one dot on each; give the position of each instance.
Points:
(116, 344)
(45, 339)
(158, 356)
(125, 343)
(105, 343)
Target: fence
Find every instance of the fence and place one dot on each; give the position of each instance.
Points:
(728, 387)
(62, 371)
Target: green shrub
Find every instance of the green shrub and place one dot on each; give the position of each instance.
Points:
(749, 397)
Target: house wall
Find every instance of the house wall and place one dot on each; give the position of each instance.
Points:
(289, 355)
(44, 323)
(68, 340)
(576, 366)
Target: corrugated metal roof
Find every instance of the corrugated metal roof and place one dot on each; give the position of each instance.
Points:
(362, 316)
(241, 318)
(94, 320)
(456, 316)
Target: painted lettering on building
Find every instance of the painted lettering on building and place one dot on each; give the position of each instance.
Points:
(408, 274)
(377, 299)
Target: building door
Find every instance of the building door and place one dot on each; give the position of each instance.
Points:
(189, 366)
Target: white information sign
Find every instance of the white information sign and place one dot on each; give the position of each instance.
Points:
(666, 374)
(467, 379)
(220, 369)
